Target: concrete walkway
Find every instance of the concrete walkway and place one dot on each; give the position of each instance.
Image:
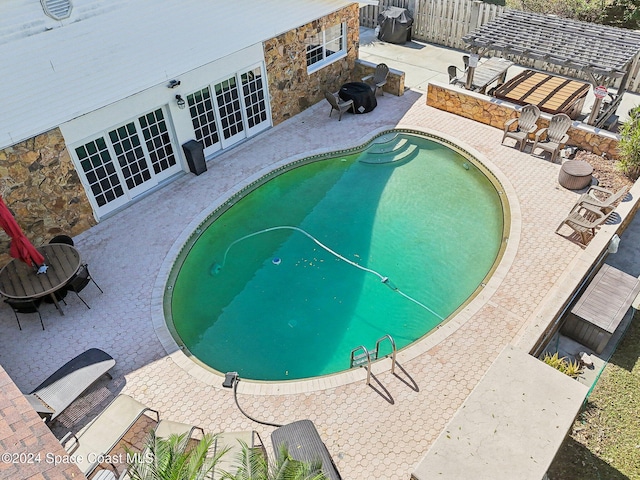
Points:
(372, 432)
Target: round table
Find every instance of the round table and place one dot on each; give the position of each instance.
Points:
(575, 174)
(364, 98)
(20, 281)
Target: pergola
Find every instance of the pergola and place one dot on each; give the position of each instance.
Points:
(605, 54)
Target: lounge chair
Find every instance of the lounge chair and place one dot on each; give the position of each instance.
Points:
(606, 205)
(232, 443)
(337, 104)
(304, 444)
(584, 219)
(378, 79)
(526, 124)
(104, 432)
(556, 135)
(66, 384)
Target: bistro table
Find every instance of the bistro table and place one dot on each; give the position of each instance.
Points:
(552, 94)
(488, 72)
(364, 98)
(20, 281)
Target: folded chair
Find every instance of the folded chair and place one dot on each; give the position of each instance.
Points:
(606, 205)
(305, 444)
(526, 124)
(378, 79)
(66, 384)
(584, 219)
(556, 135)
(337, 104)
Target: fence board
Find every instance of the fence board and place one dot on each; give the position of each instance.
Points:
(445, 22)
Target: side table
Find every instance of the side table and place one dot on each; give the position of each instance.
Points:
(575, 174)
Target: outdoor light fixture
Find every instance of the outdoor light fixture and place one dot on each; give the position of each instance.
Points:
(173, 84)
(180, 101)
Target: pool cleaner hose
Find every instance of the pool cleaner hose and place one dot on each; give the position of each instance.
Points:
(383, 279)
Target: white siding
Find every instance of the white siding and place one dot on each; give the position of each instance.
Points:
(52, 77)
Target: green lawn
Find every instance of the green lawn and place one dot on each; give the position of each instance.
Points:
(604, 442)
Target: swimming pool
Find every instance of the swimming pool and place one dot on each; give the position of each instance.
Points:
(285, 280)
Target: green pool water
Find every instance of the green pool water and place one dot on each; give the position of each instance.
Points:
(278, 306)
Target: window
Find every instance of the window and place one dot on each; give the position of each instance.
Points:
(325, 47)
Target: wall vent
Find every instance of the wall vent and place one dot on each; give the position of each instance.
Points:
(57, 9)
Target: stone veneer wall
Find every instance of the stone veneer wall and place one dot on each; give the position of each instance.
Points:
(291, 88)
(39, 183)
(482, 108)
(395, 80)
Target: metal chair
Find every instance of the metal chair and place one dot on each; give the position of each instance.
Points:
(66, 239)
(29, 305)
(80, 280)
(454, 78)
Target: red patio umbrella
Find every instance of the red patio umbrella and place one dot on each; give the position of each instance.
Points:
(21, 247)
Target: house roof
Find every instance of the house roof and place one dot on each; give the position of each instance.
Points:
(54, 71)
(599, 49)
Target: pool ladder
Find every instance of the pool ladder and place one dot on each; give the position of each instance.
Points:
(360, 356)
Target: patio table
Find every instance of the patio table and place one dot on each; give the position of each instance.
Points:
(20, 281)
(550, 93)
(488, 72)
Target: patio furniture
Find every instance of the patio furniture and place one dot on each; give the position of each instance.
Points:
(556, 135)
(526, 125)
(304, 444)
(26, 305)
(378, 79)
(20, 281)
(494, 69)
(600, 309)
(575, 174)
(605, 205)
(364, 99)
(584, 220)
(104, 432)
(550, 93)
(455, 77)
(232, 442)
(66, 239)
(66, 384)
(80, 280)
(337, 104)
(166, 428)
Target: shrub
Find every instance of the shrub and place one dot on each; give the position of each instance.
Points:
(568, 367)
(629, 145)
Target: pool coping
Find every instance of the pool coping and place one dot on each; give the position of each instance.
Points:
(482, 296)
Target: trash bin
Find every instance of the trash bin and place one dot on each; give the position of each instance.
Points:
(395, 25)
(194, 153)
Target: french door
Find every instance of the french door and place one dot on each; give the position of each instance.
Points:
(124, 162)
(230, 110)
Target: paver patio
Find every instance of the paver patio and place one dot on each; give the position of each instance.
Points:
(368, 436)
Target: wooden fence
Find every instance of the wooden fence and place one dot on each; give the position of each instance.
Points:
(443, 22)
